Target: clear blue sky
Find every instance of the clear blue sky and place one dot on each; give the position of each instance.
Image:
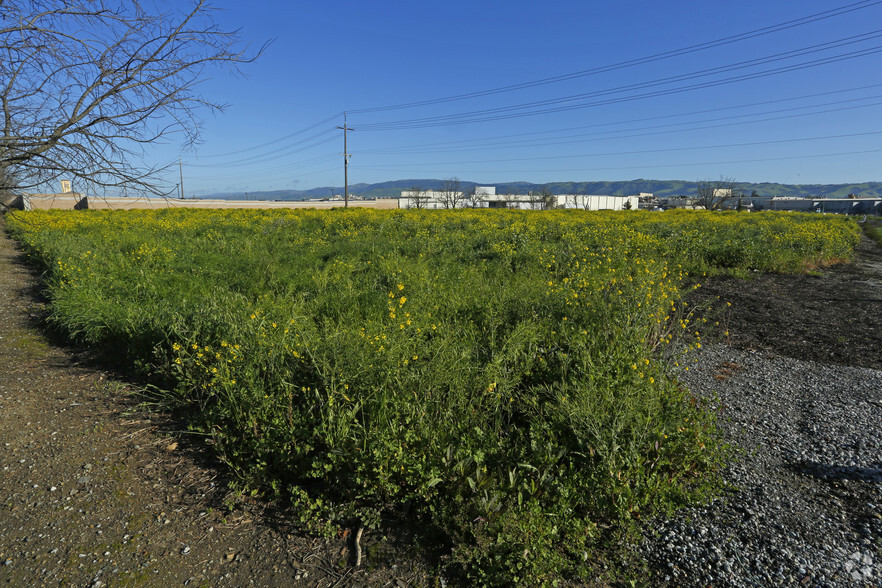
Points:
(790, 118)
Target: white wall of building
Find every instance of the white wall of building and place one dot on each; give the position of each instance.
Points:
(486, 197)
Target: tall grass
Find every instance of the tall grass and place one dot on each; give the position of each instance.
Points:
(873, 229)
(502, 376)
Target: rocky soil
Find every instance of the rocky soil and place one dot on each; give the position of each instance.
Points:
(798, 388)
(96, 491)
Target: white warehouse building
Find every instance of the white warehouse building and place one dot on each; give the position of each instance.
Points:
(486, 197)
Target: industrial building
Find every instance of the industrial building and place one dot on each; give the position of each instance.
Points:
(486, 197)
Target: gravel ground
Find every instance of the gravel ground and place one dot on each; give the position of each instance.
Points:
(806, 503)
(798, 390)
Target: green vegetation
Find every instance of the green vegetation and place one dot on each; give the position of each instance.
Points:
(504, 378)
(873, 229)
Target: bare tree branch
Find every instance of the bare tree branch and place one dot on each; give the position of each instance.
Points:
(86, 85)
(451, 193)
(714, 194)
(472, 197)
(419, 197)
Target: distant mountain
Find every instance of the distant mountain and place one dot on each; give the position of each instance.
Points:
(663, 188)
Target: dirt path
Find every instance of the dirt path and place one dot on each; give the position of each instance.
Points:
(830, 316)
(94, 493)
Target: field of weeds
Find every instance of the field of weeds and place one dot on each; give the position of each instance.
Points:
(502, 377)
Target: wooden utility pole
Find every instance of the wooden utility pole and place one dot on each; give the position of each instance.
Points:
(346, 156)
(181, 168)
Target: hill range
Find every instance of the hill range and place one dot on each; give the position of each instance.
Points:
(660, 188)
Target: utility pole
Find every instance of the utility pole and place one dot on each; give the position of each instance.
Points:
(181, 168)
(346, 156)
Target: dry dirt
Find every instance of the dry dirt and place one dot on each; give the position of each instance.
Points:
(95, 491)
(833, 315)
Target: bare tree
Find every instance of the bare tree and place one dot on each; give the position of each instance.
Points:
(451, 193)
(419, 197)
(86, 85)
(547, 198)
(7, 187)
(472, 197)
(570, 201)
(535, 200)
(714, 194)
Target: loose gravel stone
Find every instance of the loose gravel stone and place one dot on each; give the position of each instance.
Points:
(800, 509)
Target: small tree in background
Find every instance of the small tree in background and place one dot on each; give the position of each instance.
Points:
(714, 194)
(451, 193)
(547, 197)
(472, 197)
(419, 197)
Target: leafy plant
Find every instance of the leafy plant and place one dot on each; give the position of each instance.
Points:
(503, 376)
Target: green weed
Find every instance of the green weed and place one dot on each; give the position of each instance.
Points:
(503, 377)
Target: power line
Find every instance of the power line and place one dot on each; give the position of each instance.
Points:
(640, 90)
(669, 165)
(464, 143)
(276, 155)
(634, 62)
(279, 140)
(848, 8)
(257, 173)
(517, 111)
(647, 151)
(617, 135)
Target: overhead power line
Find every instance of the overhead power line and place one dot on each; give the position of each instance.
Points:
(820, 16)
(534, 108)
(635, 62)
(669, 165)
(280, 139)
(459, 144)
(274, 156)
(488, 144)
(648, 151)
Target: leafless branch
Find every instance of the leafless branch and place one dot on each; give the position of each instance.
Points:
(714, 194)
(451, 193)
(87, 85)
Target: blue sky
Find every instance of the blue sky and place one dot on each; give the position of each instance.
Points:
(798, 104)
